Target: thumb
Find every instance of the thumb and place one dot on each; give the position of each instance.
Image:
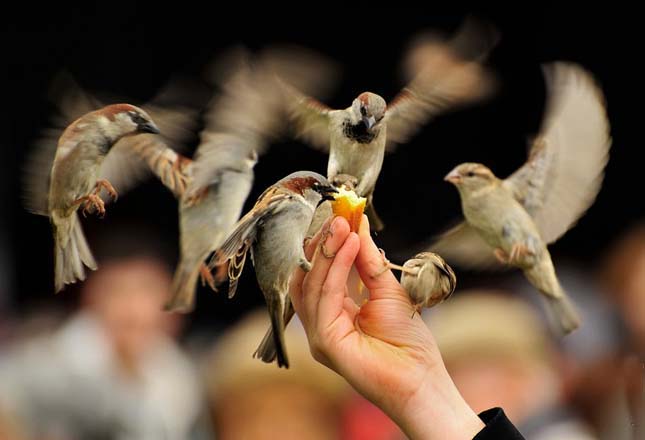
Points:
(370, 264)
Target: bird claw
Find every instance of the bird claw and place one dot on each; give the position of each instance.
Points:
(207, 277)
(305, 265)
(323, 238)
(518, 252)
(386, 264)
(102, 183)
(501, 256)
(390, 266)
(89, 202)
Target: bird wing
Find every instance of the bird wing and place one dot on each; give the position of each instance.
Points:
(133, 157)
(122, 166)
(36, 173)
(464, 246)
(445, 75)
(309, 118)
(173, 169)
(301, 74)
(565, 168)
(236, 247)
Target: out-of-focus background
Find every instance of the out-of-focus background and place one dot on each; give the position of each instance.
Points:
(100, 360)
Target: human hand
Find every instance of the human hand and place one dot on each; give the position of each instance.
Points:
(383, 349)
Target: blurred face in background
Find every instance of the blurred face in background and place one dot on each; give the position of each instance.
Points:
(624, 277)
(126, 297)
(281, 410)
(632, 300)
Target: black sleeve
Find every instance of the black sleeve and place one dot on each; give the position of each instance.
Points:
(498, 427)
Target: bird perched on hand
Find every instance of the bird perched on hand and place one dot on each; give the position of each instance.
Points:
(213, 186)
(76, 181)
(274, 232)
(427, 279)
(515, 218)
(88, 151)
(356, 137)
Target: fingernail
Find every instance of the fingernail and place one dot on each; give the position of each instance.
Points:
(334, 223)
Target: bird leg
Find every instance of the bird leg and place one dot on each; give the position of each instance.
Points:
(323, 238)
(416, 310)
(501, 256)
(518, 252)
(221, 272)
(207, 277)
(102, 183)
(388, 266)
(304, 264)
(196, 196)
(91, 201)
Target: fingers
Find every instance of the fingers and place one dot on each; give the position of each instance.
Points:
(369, 263)
(312, 284)
(332, 298)
(295, 288)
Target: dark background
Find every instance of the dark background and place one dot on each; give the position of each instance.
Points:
(131, 49)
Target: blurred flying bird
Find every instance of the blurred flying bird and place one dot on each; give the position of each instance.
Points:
(357, 137)
(512, 220)
(213, 186)
(89, 151)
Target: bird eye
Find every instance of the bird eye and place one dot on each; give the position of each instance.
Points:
(470, 174)
(363, 111)
(137, 118)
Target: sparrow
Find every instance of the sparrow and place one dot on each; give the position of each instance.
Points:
(426, 277)
(357, 137)
(82, 164)
(212, 186)
(75, 181)
(513, 220)
(273, 231)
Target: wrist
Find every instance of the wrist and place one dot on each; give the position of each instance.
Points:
(438, 411)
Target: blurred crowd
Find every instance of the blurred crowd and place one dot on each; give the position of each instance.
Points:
(119, 367)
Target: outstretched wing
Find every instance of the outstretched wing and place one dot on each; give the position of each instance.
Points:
(565, 168)
(235, 248)
(445, 75)
(309, 118)
(463, 246)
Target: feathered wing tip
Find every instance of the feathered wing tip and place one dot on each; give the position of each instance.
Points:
(71, 253)
(563, 312)
(183, 287)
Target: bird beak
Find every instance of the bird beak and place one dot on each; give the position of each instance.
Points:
(148, 127)
(369, 122)
(327, 192)
(453, 177)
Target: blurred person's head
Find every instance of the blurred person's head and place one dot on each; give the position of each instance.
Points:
(126, 296)
(624, 277)
(497, 352)
(252, 399)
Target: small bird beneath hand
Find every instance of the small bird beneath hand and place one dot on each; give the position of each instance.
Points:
(427, 278)
(76, 180)
(273, 231)
(514, 219)
(356, 137)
